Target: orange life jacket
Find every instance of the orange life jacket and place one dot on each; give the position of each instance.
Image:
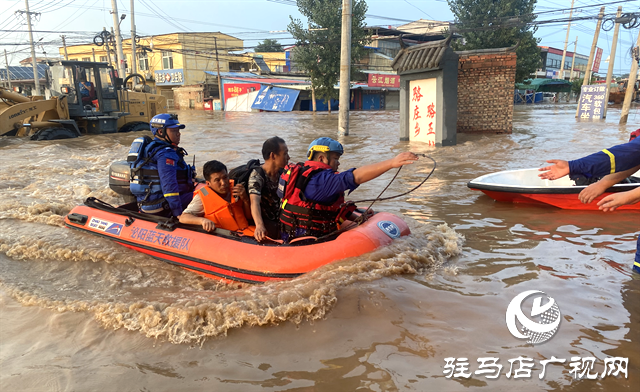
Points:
(225, 215)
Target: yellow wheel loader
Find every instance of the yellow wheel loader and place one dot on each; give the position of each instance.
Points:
(80, 98)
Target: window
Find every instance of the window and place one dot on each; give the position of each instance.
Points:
(167, 60)
(143, 61)
(86, 59)
(103, 59)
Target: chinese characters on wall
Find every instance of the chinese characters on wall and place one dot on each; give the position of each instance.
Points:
(169, 77)
(381, 80)
(236, 89)
(592, 101)
(422, 111)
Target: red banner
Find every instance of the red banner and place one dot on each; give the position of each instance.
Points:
(596, 61)
(382, 80)
(235, 89)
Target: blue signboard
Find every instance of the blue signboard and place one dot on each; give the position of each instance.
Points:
(592, 101)
(275, 99)
(169, 77)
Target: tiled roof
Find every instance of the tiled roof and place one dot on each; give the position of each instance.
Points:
(23, 73)
(423, 56)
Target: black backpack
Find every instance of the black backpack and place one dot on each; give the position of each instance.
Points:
(242, 173)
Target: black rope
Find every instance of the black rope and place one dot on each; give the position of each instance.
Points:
(402, 194)
(362, 218)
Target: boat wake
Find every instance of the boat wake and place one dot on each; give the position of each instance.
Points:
(123, 289)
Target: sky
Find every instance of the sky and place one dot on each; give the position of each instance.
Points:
(255, 20)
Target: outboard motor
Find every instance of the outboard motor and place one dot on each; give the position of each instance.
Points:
(119, 176)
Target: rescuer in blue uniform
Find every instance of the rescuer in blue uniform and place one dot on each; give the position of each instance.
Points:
(608, 161)
(175, 176)
(608, 167)
(312, 192)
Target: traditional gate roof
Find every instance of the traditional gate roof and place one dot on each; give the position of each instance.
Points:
(423, 56)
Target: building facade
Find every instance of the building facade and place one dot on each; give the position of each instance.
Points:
(20, 79)
(170, 60)
(551, 60)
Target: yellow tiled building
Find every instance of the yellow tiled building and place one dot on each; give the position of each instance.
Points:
(169, 60)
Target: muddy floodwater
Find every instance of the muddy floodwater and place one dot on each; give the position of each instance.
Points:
(81, 313)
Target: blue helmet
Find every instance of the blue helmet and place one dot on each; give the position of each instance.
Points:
(324, 144)
(162, 122)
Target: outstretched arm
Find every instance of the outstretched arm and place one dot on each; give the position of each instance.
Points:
(369, 172)
(558, 169)
(591, 192)
(615, 200)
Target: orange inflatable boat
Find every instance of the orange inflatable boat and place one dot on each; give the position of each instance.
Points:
(227, 255)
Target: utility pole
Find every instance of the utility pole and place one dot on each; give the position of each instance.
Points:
(313, 99)
(633, 75)
(612, 56)
(133, 66)
(345, 69)
(215, 41)
(36, 79)
(116, 25)
(64, 44)
(566, 42)
(7, 62)
(573, 62)
(93, 52)
(587, 74)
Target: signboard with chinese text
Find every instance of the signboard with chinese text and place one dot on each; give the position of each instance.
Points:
(422, 113)
(382, 80)
(235, 89)
(596, 61)
(592, 101)
(169, 77)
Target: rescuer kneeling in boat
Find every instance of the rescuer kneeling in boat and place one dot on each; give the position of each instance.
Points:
(168, 181)
(220, 203)
(312, 193)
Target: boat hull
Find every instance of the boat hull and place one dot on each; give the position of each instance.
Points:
(524, 186)
(234, 259)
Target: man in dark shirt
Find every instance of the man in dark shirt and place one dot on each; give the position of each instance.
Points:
(263, 186)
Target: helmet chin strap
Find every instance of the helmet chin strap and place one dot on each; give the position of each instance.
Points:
(165, 137)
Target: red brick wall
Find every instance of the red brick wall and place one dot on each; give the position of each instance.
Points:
(485, 93)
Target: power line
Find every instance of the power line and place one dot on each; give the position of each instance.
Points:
(406, 1)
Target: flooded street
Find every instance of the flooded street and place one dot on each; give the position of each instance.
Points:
(80, 313)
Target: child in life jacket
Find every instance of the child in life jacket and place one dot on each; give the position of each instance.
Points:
(220, 203)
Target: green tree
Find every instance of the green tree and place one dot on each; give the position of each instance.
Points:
(486, 24)
(317, 48)
(268, 45)
(576, 85)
